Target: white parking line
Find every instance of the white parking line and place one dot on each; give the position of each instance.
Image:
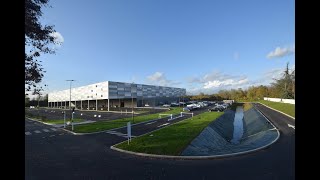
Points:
(37, 131)
(292, 126)
(150, 122)
(117, 133)
(45, 130)
(53, 129)
(164, 124)
(27, 133)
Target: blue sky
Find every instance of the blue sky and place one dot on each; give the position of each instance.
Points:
(203, 45)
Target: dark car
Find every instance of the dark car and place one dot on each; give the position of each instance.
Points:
(216, 108)
(187, 109)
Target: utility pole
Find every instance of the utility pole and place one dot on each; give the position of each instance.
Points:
(132, 103)
(70, 96)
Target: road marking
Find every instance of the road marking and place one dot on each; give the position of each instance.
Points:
(61, 134)
(27, 133)
(150, 122)
(292, 126)
(51, 135)
(53, 129)
(164, 124)
(37, 131)
(45, 130)
(118, 134)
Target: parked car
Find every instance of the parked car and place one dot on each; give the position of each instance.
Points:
(166, 105)
(174, 104)
(187, 109)
(216, 108)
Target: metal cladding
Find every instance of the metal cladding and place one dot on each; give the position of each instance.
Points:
(115, 90)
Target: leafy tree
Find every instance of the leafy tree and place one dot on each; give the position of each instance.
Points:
(37, 41)
(26, 100)
(285, 85)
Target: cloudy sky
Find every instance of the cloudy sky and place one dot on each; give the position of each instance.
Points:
(203, 46)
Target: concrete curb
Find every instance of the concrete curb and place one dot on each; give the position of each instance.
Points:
(278, 111)
(42, 122)
(115, 128)
(50, 125)
(193, 157)
(197, 157)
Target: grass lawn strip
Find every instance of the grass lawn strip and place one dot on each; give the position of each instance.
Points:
(173, 139)
(283, 107)
(105, 125)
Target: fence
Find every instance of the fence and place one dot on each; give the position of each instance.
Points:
(290, 101)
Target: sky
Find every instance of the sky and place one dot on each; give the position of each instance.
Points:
(201, 45)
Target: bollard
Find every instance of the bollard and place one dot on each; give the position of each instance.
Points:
(171, 116)
(180, 114)
(72, 120)
(64, 118)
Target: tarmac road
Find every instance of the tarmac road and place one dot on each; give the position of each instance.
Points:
(68, 156)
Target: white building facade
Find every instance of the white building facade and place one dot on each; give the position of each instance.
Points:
(110, 94)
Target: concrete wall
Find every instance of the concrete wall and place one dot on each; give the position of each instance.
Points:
(290, 101)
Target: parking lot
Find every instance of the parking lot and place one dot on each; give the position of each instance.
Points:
(55, 114)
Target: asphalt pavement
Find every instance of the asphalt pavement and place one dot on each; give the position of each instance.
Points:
(69, 156)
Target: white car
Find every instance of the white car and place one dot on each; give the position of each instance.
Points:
(166, 105)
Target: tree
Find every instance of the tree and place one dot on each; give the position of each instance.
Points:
(37, 41)
(285, 85)
(26, 100)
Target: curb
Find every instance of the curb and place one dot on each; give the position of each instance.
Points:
(197, 157)
(278, 111)
(115, 128)
(49, 124)
(194, 157)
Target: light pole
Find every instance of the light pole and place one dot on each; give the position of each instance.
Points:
(70, 93)
(70, 96)
(132, 103)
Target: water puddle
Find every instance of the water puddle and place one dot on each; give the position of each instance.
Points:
(237, 126)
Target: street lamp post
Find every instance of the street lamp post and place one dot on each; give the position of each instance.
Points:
(70, 102)
(132, 103)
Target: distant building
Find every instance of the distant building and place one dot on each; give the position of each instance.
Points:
(109, 94)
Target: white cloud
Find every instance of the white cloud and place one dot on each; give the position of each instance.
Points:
(280, 52)
(215, 81)
(158, 78)
(228, 82)
(58, 38)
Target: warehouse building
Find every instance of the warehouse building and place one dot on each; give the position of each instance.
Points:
(109, 95)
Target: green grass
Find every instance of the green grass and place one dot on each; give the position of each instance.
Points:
(106, 125)
(283, 107)
(61, 121)
(173, 139)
